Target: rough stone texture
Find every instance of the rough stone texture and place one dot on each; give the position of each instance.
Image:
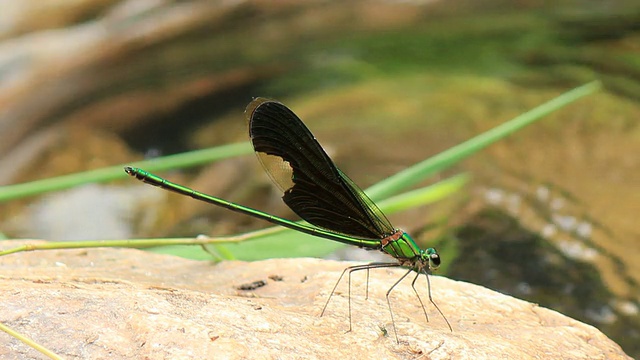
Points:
(125, 303)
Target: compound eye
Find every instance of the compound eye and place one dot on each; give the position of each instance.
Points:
(431, 255)
(434, 261)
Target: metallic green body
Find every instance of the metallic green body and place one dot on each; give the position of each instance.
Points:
(403, 248)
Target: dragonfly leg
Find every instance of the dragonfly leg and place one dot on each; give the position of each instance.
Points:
(350, 270)
(393, 323)
(413, 286)
(433, 302)
(366, 291)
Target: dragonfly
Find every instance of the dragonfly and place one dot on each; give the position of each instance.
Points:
(330, 203)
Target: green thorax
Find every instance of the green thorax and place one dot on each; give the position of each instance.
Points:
(401, 246)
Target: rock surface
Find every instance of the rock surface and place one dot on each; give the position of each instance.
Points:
(126, 303)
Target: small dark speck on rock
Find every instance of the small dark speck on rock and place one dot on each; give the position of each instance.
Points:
(252, 286)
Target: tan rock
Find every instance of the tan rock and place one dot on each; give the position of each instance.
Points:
(126, 303)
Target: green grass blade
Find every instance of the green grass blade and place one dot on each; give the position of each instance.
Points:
(270, 241)
(445, 159)
(48, 353)
(177, 161)
(424, 195)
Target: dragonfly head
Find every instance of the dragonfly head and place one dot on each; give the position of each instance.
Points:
(432, 257)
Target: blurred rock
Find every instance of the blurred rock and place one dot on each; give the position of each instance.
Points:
(62, 149)
(122, 303)
(90, 212)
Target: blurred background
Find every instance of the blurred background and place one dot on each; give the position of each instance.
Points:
(550, 215)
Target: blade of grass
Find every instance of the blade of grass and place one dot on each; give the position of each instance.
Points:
(445, 159)
(27, 341)
(177, 161)
(425, 195)
(441, 189)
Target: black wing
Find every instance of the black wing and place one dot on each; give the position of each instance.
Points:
(314, 188)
